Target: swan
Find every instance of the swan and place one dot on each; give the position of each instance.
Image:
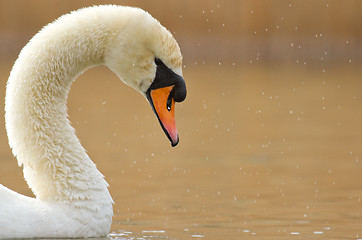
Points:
(72, 197)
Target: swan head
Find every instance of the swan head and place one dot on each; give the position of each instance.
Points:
(145, 56)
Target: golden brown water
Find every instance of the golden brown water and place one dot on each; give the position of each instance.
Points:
(265, 152)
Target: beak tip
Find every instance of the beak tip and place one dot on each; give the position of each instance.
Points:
(174, 144)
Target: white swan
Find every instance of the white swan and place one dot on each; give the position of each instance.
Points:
(72, 199)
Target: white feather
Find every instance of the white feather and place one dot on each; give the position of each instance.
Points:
(72, 199)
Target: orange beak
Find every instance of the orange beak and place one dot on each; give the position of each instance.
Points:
(164, 107)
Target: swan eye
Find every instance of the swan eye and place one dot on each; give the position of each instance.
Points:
(158, 61)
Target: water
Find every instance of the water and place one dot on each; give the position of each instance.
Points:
(264, 153)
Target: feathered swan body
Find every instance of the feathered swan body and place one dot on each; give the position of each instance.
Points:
(72, 199)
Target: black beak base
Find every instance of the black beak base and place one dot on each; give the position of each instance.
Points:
(165, 77)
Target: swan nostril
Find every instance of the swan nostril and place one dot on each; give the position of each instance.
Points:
(169, 99)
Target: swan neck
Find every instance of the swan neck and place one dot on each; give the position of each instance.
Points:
(55, 165)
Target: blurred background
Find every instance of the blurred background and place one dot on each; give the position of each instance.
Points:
(270, 133)
(315, 32)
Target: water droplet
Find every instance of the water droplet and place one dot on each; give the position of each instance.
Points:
(197, 236)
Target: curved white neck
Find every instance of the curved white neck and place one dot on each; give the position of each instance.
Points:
(56, 167)
(72, 198)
